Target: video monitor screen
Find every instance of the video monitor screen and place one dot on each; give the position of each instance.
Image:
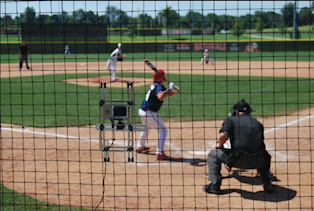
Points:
(120, 111)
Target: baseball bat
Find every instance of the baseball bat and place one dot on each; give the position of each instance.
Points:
(153, 68)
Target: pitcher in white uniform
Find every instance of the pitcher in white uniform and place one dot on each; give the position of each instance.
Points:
(112, 61)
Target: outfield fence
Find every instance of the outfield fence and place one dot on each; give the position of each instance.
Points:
(69, 133)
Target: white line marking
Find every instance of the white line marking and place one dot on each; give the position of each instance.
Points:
(204, 152)
(288, 124)
(171, 146)
(82, 63)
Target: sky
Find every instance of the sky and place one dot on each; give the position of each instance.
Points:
(152, 8)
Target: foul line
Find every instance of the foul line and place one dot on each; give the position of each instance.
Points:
(196, 152)
(205, 152)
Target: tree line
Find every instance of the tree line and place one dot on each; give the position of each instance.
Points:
(168, 18)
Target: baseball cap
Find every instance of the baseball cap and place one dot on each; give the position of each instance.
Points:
(242, 106)
(119, 45)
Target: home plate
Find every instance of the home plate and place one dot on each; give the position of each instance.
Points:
(199, 152)
(82, 63)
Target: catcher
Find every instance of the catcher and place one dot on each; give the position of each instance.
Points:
(149, 113)
(112, 61)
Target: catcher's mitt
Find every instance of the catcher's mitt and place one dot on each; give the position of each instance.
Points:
(120, 59)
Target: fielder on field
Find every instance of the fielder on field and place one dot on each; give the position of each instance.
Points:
(206, 57)
(112, 61)
(67, 50)
(149, 114)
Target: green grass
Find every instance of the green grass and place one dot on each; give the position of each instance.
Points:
(12, 200)
(170, 56)
(46, 101)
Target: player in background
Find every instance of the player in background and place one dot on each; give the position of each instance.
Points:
(112, 61)
(149, 114)
(67, 50)
(23, 51)
(206, 57)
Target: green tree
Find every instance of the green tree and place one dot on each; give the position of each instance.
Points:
(146, 20)
(91, 18)
(247, 21)
(305, 17)
(41, 19)
(103, 19)
(7, 21)
(226, 21)
(112, 13)
(282, 27)
(209, 19)
(237, 29)
(191, 17)
(64, 17)
(78, 17)
(287, 14)
(170, 17)
(259, 25)
(28, 16)
(132, 28)
(122, 20)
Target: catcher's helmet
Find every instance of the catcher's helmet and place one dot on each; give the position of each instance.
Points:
(160, 76)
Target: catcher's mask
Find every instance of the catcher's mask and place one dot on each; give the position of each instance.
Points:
(241, 106)
(160, 76)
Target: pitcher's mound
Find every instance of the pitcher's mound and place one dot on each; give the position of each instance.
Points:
(120, 82)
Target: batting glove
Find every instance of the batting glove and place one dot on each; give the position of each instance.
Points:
(171, 86)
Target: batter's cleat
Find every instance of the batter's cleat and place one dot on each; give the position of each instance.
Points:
(269, 188)
(162, 157)
(141, 149)
(211, 188)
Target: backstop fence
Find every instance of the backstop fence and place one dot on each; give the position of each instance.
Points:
(82, 130)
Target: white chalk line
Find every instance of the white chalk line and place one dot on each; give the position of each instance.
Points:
(213, 143)
(177, 149)
(118, 142)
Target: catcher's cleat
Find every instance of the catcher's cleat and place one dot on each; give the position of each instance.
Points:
(144, 148)
(162, 157)
(212, 188)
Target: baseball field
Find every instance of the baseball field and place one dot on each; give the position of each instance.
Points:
(50, 147)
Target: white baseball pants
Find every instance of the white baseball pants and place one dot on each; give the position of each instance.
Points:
(113, 69)
(202, 60)
(152, 120)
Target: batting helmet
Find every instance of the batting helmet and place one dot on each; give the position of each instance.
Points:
(160, 76)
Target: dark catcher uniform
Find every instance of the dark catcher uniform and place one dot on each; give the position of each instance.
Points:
(247, 148)
(23, 56)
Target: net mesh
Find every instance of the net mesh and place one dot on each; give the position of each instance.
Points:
(216, 53)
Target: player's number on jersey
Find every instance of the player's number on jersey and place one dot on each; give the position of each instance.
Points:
(151, 88)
